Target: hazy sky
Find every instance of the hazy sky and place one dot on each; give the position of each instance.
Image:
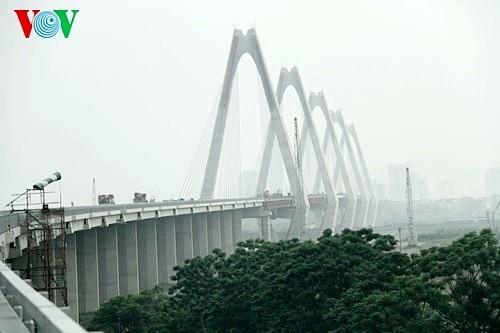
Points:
(125, 98)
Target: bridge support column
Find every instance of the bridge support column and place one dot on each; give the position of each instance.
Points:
(360, 213)
(166, 248)
(318, 219)
(184, 238)
(265, 227)
(200, 237)
(107, 249)
(372, 214)
(87, 270)
(329, 219)
(349, 215)
(127, 259)
(226, 232)
(237, 227)
(214, 233)
(147, 255)
(72, 276)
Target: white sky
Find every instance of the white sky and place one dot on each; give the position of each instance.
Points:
(125, 98)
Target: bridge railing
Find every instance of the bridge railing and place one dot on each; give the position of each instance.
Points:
(33, 306)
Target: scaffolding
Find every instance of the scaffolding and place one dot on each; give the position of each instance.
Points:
(45, 253)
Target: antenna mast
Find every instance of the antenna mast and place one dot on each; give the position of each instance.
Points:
(94, 193)
(412, 241)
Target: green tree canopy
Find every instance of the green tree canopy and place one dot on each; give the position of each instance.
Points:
(350, 282)
(467, 276)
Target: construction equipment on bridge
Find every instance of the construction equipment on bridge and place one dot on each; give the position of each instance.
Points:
(106, 199)
(140, 197)
(45, 231)
(411, 241)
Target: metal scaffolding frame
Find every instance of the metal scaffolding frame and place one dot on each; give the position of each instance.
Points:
(45, 231)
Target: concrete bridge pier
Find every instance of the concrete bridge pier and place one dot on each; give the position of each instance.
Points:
(360, 213)
(128, 257)
(265, 228)
(226, 232)
(107, 249)
(200, 235)
(237, 227)
(184, 238)
(72, 276)
(147, 254)
(88, 278)
(318, 219)
(166, 248)
(214, 231)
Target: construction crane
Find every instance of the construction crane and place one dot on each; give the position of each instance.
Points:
(411, 241)
(300, 181)
(492, 214)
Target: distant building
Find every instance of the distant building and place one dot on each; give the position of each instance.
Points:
(397, 183)
(446, 189)
(380, 190)
(423, 189)
(492, 181)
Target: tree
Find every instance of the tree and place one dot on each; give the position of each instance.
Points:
(350, 282)
(286, 286)
(131, 313)
(466, 276)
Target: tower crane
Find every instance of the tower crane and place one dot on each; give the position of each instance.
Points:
(300, 180)
(412, 241)
(493, 213)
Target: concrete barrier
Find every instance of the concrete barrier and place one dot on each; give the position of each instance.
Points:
(47, 317)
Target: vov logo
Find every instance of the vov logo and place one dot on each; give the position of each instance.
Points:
(46, 23)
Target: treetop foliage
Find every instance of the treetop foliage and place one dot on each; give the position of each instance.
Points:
(354, 281)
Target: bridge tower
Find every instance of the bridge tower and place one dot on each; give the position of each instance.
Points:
(291, 78)
(240, 45)
(362, 206)
(373, 206)
(347, 217)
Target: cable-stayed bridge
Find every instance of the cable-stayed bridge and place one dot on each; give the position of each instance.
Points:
(337, 169)
(114, 250)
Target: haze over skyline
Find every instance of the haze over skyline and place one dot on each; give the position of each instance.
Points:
(124, 100)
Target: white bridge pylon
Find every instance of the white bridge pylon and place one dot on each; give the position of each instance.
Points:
(318, 100)
(240, 45)
(291, 78)
(357, 206)
(372, 208)
(366, 209)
